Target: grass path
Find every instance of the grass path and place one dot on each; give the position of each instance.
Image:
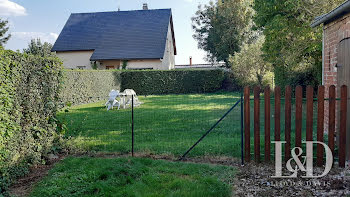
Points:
(134, 177)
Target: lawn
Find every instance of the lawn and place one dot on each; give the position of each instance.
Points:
(134, 177)
(164, 125)
(167, 124)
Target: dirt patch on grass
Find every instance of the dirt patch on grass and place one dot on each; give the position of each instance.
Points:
(218, 160)
(23, 186)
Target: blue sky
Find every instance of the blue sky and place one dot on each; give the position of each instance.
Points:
(46, 18)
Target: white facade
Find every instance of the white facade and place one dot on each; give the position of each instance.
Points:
(81, 59)
(168, 60)
(76, 59)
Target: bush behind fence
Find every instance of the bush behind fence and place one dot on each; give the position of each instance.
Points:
(90, 86)
(80, 87)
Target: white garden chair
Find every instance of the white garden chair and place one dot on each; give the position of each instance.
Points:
(112, 101)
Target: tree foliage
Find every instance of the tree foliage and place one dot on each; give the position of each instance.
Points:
(249, 67)
(221, 28)
(291, 45)
(36, 47)
(3, 31)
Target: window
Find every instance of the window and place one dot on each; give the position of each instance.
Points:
(81, 67)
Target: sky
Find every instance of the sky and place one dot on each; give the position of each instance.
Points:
(45, 19)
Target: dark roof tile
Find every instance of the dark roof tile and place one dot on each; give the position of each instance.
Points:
(139, 34)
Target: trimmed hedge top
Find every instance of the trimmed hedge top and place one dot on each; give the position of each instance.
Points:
(173, 82)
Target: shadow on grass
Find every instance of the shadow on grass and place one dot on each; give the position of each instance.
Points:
(167, 124)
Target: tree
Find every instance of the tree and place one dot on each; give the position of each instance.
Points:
(291, 45)
(221, 28)
(249, 67)
(3, 30)
(36, 47)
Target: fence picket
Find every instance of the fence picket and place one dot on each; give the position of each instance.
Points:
(267, 124)
(247, 124)
(277, 113)
(320, 124)
(288, 119)
(298, 120)
(342, 125)
(298, 114)
(257, 124)
(331, 120)
(309, 112)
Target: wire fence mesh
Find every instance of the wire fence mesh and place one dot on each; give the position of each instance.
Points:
(163, 125)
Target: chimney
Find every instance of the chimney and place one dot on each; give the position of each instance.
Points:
(190, 60)
(145, 6)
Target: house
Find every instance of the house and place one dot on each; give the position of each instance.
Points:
(140, 39)
(211, 66)
(336, 53)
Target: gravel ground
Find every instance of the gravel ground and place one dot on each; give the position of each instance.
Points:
(255, 180)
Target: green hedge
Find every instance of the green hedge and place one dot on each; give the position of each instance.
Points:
(91, 86)
(81, 87)
(173, 82)
(29, 102)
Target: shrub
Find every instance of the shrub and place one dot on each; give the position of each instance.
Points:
(86, 86)
(173, 82)
(249, 67)
(302, 77)
(29, 102)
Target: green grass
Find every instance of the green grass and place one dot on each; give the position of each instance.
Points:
(134, 177)
(170, 124)
(167, 124)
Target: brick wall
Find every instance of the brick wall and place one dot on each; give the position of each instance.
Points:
(334, 32)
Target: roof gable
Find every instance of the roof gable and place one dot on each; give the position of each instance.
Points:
(139, 34)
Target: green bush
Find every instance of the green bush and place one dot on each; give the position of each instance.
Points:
(80, 87)
(91, 86)
(249, 67)
(173, 82)
(29, 102)
(310, 76)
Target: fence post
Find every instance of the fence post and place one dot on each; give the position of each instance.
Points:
(309, 112)
(342, 126)
(320, 124)
(267, 124)
(257, 124)
(247, 124)
(298, 114)
(331, 121)
(288, 119)
(242, 131)
(277, 113)
(132, 125)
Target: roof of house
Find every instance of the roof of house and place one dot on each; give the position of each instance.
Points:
(342, 9)
(124, 35)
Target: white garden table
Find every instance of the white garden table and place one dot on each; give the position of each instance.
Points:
(123, 97)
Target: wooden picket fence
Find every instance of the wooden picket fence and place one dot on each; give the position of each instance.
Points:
(298, 120)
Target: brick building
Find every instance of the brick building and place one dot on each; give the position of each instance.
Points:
(336, 53)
